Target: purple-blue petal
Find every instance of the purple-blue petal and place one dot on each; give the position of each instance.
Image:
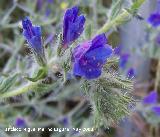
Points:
(28, 28)
(123, 60)
(64, 121)
(88, 61)
(156, 110)
(39, 4)
(36, 44)
(117, 50)
(26, 35)
(77, 71)
(154, 19)
(33, 35)
(47, 12)
(131, 72)
(20, 123)
(92, 73)
(99, 40)
(95, 63)
(71, 14)
(73, 25)
(100, 53)
(151, 98)
(80, 50)
(50, 1)
(37, 31)
(26, 23)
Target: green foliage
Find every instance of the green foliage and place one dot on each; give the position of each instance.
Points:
(89, 31)
(41, 98)
(136, 4)
(7, 83)
(110, 96)
(110, 106)
(121, 18)
(42, 73)
(115, 9)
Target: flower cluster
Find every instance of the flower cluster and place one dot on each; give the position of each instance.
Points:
(154, 18)
(151, 99)
(20, 122)
(73, 26)
(124, 58)
(33, 36)
(88, 57)
(131, 72)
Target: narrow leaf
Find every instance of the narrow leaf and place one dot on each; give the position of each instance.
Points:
(40, 75)
(6, 84)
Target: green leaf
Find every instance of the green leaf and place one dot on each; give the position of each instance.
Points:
(115, 9)
(88, 31)
(40, 75)
(113, 81)
(110, 97)
(110, 106)
(137, 3)
(6, 84)
(113, 61)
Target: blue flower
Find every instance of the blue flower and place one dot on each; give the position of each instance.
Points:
(151, 98)
(117, 50)
(131, 72)
(50, 1)
(89, 57)
(20, 123)
(65, 121)
(73, 25)
(39, 4)
(156, 110)
(33, 36)
(47, 12)
(124, 57)
(154, 19)
(123, 60)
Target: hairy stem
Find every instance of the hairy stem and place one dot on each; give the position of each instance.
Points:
(125, 16)
(20, 90)
(120, 19)
(32, 86)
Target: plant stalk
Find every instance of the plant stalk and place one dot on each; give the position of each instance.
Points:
(119, 20)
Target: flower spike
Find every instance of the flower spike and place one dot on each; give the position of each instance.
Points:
(73, 26)
(33, 36)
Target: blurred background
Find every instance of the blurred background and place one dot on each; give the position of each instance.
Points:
(139, 51)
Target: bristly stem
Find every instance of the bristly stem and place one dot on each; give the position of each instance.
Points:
(65, 76)
(32, 86)
(120, 19)
(125, 16)
(20, 90)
